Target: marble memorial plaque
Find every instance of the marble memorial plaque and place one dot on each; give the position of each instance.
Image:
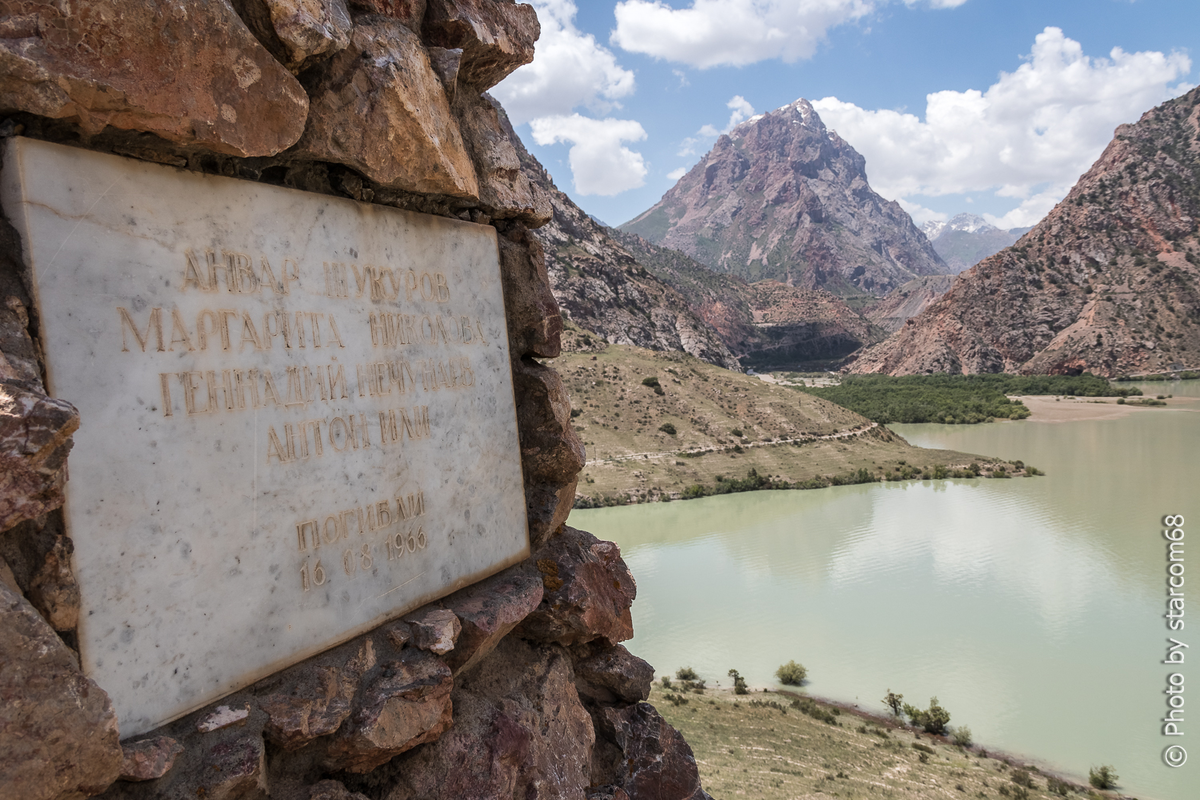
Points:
(297, 416)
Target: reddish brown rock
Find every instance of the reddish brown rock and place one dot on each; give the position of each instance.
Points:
(519, 731)
(191, 73)
(551, 453)
(54, 591)
(550, 448)
(58, 731)
(379, 107)
(495, 37)
(298, 33)
(656, 762)
(611, 674)
(534, 321)
(488, 610)
(435, 630)
(588, 592)
(234, 769)
(409, 12)
(149, 759)
(35, 437)
(18, 356)
(547, 506)
(504, 190)
(318, 696)
(407, 705)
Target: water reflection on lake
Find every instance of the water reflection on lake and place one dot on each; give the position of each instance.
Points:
(1031, 607)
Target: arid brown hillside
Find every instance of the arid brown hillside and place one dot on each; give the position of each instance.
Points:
(783, 197)
(1107, 282)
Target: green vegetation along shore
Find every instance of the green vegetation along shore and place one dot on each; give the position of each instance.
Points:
(666, 426)
(783, 745)
(956, 399)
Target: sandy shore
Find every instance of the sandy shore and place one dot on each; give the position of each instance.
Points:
(1048, 409)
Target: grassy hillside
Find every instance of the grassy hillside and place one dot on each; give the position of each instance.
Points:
(666, 425)
(762, 746)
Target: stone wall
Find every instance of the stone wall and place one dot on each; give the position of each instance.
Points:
(517, 686)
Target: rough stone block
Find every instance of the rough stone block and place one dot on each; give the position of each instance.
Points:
(378, 107)
(58, 730)
(149, 759)
(656, 760)
(316, 697)
(534, 319)
(488, 611)
(35, 437)
(504, 189)
(519, 731)
(588, 592)
(611, 674)
(191, 73)
(407, 705)
(298, 33)
(495, 37)
(551, 451)
(435, 630)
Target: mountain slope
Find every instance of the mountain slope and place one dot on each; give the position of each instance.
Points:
(601, 287)
(1107, 282)
(907, 301)
(783, 197)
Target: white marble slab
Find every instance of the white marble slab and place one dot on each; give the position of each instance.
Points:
(297, 416)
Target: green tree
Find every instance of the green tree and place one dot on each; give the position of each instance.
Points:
(739, 683)
(894, 701)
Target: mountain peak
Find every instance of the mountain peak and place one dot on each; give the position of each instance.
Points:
(782, 197)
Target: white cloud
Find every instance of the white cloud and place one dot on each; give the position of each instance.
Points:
(676, 174)
(599, 163)
(1029, 136)
(731, 32)
(569, 70)
(742, 111)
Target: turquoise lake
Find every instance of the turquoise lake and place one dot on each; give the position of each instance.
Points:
(1033, 608)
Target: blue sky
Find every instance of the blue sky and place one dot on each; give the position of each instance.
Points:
(992, 107)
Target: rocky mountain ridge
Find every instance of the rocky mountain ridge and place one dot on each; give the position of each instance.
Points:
(966, 239)
(783, 197)
(1107, 282)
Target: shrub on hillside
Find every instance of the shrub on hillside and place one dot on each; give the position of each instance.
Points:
(1103, 777)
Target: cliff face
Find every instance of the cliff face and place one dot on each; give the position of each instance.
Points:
(1107, 282)
(782, 197)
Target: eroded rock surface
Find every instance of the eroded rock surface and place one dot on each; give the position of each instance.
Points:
(378, 107)
(140, 65)
(588, 592)
(519, 732)
(58, 729)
